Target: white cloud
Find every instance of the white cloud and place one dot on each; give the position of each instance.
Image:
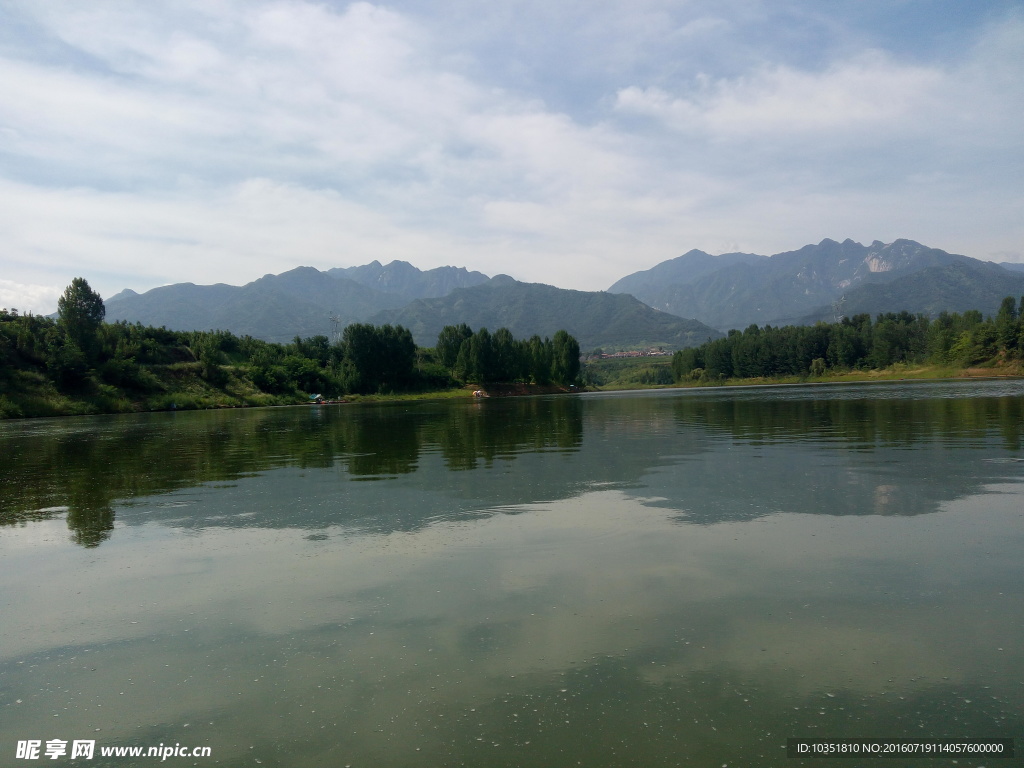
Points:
(873, 99)
(870, 92)
(218, 141)
(37, 299)
(230, 234)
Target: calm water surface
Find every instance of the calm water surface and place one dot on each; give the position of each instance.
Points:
(637, 579)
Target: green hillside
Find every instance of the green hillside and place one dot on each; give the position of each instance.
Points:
(276, 308)
(403, 280)
(956, 287)
(596, 319)
(736, 290)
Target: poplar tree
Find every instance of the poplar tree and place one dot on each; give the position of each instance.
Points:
(80, 311)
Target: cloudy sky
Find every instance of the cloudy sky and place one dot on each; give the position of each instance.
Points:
(570, 142)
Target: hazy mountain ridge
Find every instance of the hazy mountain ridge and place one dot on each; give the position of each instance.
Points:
(403, 279)
(169, 303)
(681, 270)
(734, 290)
(299, 302)
(596, 319)
(955, 287)
(302, 301)
(793, 286)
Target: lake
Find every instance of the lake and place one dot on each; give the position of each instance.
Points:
(661, 578)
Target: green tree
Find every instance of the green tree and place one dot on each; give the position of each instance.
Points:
(378, 359)
(480, 357)
(449, 342)
(565, 368)
(80, 311)
(1007, 328)
(362, 353)
(210, 359)
(398, 354)
(507, 360)
(540, 357)
(718, 359)
(67, 365)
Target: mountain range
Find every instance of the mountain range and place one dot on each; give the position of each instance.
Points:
(595, 318)
(301, 302)
(307, 302)
(402, 279)
(680, 302)
(820, 282)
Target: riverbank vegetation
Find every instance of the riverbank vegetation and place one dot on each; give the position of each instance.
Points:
(900, 343)
(78, 364)
(890, 346)
(628, 372)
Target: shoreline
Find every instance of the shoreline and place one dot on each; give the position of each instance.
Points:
(900, 372)
(467, 392)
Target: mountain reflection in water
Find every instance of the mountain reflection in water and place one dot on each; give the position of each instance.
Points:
(834, 450)
(638, 579)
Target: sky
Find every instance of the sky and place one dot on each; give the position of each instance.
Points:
(569, 142)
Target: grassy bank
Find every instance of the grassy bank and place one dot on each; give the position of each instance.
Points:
(649, 373)
(182, 387)
(896, 372)
(178, 386)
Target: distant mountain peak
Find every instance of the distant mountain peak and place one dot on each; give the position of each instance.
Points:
(782, 288)
(126, 293)
(403, 279)
(297, 271)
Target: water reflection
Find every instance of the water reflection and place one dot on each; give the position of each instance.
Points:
(592, 629)
(709, 456)
(88, 466)
(864, 416)
(629, 580)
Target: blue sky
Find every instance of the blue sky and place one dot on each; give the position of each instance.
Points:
(566, 142)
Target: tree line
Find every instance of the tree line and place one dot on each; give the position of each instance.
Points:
(485, 357)
(857, 342)
(79, 354)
